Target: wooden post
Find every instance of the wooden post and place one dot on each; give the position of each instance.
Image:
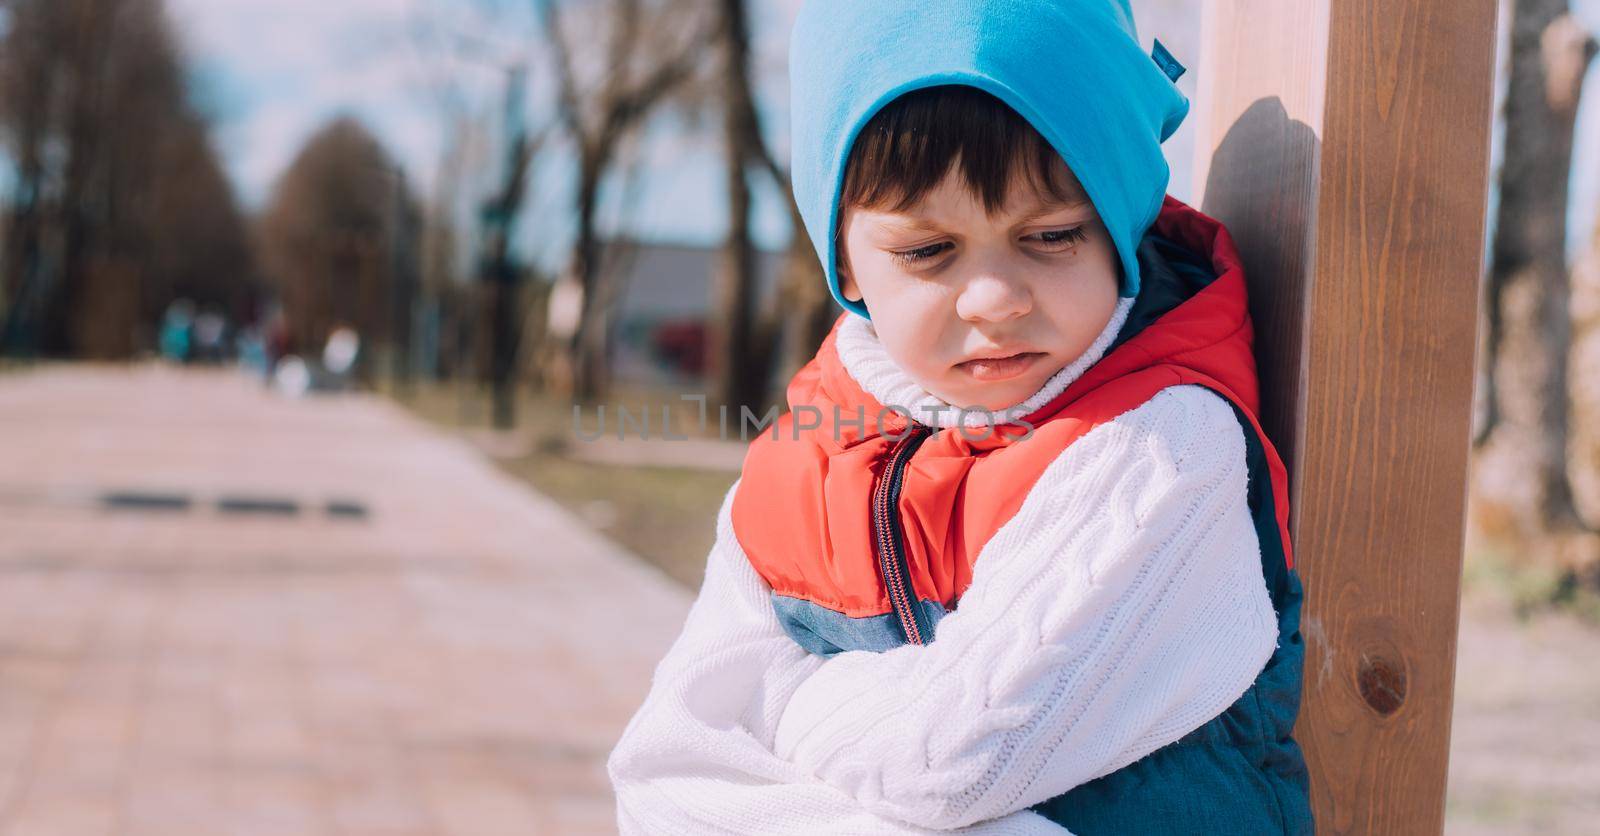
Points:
(1345, 144)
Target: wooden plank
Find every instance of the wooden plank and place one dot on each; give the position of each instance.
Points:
(1345, 144)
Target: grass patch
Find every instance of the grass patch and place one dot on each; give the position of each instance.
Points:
(1500, 808)
(666, 515)
(1530, 589)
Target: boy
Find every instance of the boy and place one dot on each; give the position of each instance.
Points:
(1033, 437)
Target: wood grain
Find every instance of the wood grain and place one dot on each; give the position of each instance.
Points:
(1348, 153)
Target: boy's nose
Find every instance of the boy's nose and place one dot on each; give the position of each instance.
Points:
(993, 296)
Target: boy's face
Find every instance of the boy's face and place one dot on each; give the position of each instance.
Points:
(981, 310)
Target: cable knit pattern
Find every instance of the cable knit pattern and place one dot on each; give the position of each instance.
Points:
(697, 757)
(1122, 607)
(869, 364)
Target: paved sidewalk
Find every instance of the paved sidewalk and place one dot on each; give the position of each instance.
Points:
(444, 652)
(1525, 738)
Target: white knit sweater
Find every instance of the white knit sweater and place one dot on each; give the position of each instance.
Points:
(1122, 607)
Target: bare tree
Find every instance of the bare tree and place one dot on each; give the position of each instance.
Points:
(500, 270)
(650, 50)
(462, 42)
(749, 345)
(736, 358)
(1522, 492)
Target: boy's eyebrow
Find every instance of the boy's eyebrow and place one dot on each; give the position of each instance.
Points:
(912, 222)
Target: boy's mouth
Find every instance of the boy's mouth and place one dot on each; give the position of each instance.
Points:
(1000, 368)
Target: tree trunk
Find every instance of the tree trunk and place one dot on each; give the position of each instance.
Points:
(84, 67)
(503, 274)
(1521, 492)
(587, 345)
(738, 378)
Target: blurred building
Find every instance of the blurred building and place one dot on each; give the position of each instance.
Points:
(664, 304)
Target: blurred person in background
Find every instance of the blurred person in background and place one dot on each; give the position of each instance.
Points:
(209, 330)
(339, 357)
(177, 331)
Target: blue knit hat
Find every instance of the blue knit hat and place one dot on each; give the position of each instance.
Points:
(1073, 68)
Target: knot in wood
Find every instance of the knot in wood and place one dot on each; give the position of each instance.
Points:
(1382, 682)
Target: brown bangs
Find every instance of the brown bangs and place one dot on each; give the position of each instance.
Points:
(907, 148)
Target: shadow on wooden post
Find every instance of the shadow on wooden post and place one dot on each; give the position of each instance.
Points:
(1345, 145)
(1258, 181)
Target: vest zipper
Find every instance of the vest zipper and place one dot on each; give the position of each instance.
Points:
(889, 538)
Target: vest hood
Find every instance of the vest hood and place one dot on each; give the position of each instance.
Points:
(1073, 68)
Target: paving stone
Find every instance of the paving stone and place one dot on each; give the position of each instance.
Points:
(437, 666)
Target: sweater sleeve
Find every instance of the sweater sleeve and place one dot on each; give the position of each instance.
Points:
(696, 758)
(1121, 608)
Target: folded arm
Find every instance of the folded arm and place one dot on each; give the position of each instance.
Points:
(1106, 620)
(1122, 607)
(697, 759)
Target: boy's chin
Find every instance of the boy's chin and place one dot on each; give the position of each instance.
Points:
(994, 398)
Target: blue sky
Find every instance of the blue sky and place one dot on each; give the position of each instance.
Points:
(272, 71)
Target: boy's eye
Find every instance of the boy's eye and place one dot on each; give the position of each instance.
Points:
(909, 257)
(1060, 239)
(1051, 239)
